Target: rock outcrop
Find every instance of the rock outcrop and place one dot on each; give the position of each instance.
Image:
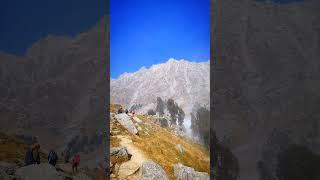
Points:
(182, 172)
(151, 170)
(126, 122)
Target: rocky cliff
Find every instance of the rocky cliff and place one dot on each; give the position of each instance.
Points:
(57, 90)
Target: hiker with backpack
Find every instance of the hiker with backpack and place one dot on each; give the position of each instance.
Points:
(52, 158)
(33, 155)
(120, 110)
(75, 162)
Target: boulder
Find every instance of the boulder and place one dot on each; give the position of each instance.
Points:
(151, 170)
(38, 171)
(180, 148)
(182, 172)
(126, 122)
(118, 155)
(4, 175)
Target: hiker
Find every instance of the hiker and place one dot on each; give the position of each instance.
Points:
(36, 154)
(75, 162)
(120, 110)
(52, 158)
(127, 111)
(32, 155)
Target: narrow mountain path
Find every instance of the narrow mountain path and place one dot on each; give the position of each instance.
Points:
(129, 169)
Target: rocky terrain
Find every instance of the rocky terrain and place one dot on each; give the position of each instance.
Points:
(57, 92)
(184, 81)
(12, 154)
(142, 149)
(266, 80)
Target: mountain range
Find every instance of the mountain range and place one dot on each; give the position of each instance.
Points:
(186, 82)
(56, 91)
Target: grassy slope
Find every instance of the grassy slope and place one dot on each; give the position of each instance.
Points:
(12, 150)
(158, 144)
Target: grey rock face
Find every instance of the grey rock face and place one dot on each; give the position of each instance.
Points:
(126, 122)
(152, 171)
(182, 172)
(187, 82)
(57, 86)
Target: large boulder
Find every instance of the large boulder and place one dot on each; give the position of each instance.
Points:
(38, 171)
(182, 172)
(151, 171)
(118, 155)
(126, 122)
(4, 175)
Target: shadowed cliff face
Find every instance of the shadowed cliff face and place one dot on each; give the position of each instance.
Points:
(58, 89)
(266, 77)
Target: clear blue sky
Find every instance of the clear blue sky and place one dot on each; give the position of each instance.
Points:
(25, 21)
(146, 32)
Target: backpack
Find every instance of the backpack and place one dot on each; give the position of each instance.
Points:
(52, 157)
(28, 158)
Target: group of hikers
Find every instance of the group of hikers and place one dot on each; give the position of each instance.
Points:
(33, 157)
(120, 110)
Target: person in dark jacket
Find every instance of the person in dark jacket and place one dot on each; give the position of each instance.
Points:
(52, 158)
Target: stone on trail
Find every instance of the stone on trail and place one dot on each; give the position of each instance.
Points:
(152, 171)
(182, 172)
(38, 171)
(126, 122)
(118, 155)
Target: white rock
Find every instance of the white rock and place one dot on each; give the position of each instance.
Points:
(126, 122)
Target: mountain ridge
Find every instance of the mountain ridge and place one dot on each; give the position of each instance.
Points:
(184, 81)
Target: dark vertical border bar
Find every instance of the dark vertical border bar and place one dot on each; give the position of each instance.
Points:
(107, 116)
(213, 14)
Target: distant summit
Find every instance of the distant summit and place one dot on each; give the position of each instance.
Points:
(184, 81)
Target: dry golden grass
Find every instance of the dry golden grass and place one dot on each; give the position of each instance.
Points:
(160, 144)
(114, 107)
(114, 141)
(12, 150)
